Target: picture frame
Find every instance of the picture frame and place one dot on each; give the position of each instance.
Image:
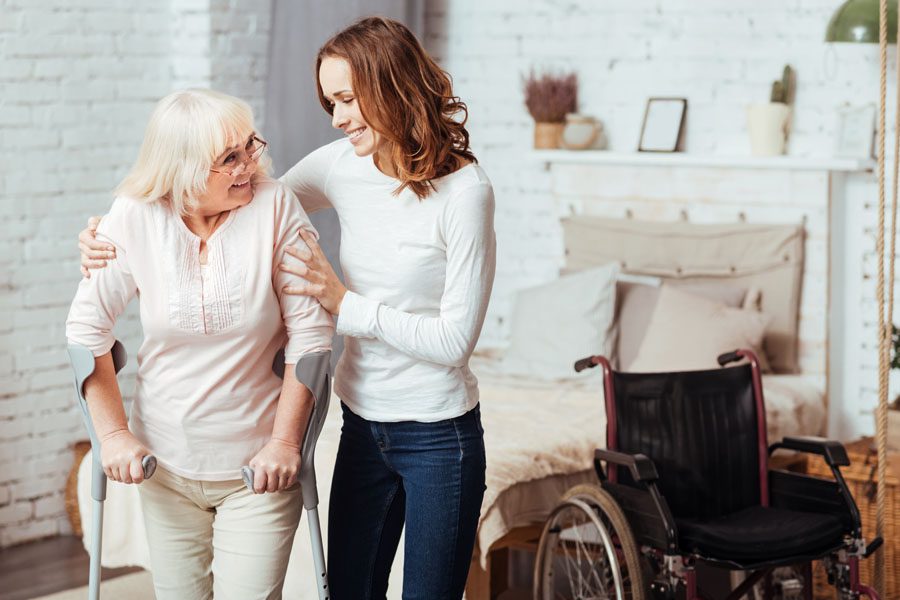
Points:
(663, 125)
(855, 137)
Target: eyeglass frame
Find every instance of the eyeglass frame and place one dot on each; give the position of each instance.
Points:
(250, 158)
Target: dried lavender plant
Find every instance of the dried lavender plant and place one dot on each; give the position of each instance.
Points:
(549, 97)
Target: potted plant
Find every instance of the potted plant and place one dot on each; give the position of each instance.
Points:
(549, 98)
(768, 122)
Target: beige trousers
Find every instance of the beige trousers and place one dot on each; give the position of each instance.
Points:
(217, 539)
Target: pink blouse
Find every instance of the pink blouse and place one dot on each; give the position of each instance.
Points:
(206, 395)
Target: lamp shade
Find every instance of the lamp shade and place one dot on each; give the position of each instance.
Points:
(857, 21)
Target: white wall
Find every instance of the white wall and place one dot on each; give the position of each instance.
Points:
(721, 56)
(78, 80)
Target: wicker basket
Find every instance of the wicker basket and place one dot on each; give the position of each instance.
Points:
(861, 478)
(80, 449)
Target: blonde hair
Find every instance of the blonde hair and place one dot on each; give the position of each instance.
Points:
(187, 131)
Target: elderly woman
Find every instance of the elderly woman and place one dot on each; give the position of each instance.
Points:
(199, 232)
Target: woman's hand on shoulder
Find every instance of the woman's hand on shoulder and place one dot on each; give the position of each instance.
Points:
(321, 282)
(94, 253)
(275, 466)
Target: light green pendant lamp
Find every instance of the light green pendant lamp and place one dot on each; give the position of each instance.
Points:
(857, 21)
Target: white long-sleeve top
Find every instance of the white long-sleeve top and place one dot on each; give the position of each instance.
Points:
(206, 395)
(419, 276)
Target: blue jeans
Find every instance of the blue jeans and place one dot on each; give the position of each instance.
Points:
(428, 476)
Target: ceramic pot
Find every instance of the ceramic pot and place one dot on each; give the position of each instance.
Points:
(768, 127)
(582, 132)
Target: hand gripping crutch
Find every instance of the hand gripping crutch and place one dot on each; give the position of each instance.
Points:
(314, 371)
(83, 364)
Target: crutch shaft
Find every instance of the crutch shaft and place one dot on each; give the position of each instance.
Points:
(96, 545)
(318, 552)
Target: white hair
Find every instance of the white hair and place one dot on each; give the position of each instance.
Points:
(187, 131)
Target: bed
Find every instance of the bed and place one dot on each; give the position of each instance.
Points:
(540, 434)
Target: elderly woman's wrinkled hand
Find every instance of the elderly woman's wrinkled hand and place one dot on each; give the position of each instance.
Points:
(320, 280)
(94, 253)
(275, 467)
(120, 455)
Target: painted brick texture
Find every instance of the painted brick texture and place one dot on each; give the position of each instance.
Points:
(79, 80)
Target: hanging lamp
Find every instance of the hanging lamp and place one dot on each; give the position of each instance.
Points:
(857, 21)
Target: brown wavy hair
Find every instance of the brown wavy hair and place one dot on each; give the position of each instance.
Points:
(404, 96)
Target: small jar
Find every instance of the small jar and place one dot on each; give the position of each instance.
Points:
(582, 132)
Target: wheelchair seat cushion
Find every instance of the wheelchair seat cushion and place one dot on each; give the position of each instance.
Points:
(759, 534)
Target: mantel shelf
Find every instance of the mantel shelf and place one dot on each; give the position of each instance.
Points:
(679, 159)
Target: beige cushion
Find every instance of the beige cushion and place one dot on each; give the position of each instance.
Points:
(635, 303)
(688, 332)
(767, 257)
(555, 324)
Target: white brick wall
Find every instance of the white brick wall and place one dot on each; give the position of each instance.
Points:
(722, 56)
(78, 81)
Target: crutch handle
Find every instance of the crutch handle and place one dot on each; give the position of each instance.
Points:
(149, 464)
(247, 476)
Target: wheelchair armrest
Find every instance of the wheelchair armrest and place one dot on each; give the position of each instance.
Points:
(833, 452)
(641, 467)
(653, 520)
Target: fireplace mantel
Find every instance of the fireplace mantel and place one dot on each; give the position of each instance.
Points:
(680, 159)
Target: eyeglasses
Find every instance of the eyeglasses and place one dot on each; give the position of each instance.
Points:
(252, 153)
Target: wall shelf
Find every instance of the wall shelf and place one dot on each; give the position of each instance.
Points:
(680, 159)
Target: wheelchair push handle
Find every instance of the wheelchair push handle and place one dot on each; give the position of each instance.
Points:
(585, 363)
(729, 357)
(589, 362)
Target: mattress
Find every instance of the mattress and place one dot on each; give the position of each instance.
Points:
(539, 438)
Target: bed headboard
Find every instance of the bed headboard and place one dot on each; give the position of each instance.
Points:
(766, 257)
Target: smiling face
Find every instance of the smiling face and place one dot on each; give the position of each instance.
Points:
(228, 186)
(336, 81)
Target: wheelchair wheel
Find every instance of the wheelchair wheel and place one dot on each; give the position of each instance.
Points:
(587, 551)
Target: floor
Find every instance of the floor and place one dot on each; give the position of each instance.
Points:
(46, 566)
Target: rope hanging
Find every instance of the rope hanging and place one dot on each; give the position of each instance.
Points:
(884, 320)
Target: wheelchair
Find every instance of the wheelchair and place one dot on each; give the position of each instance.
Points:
(684, 480)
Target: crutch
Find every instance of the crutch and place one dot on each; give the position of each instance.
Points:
(314, 371)
(83, 364)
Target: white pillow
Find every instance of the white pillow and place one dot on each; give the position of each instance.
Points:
(688, 332)
(555, 324)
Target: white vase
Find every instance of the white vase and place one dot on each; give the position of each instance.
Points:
(768, 127)
(582, 132)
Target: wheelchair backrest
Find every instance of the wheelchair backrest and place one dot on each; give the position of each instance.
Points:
(700, 429)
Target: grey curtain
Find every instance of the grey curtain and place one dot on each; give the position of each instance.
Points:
(295, 123)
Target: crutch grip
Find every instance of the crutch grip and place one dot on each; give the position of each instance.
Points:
(247, 476)
(149, 465)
